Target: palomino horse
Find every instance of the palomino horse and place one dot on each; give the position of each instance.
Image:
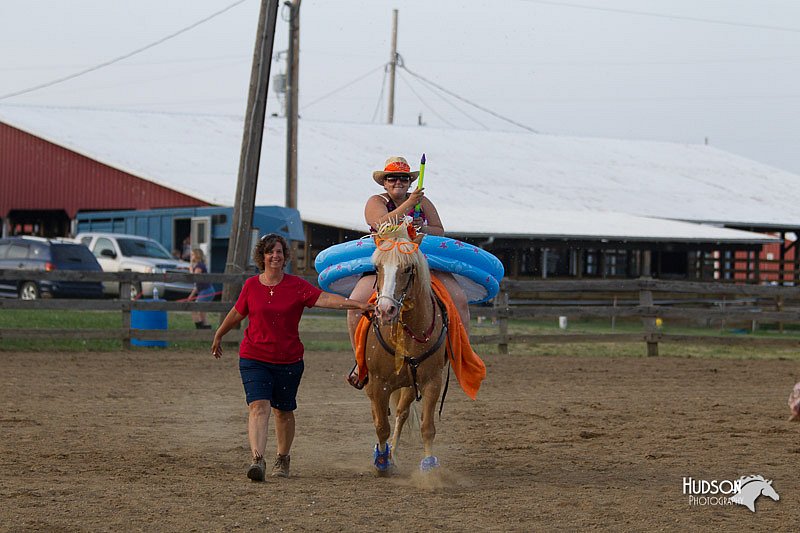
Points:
(405, 348)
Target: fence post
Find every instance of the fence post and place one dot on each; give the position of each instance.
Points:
(502, 322)
(649, 323)
(614, 316)
(125, 290)
(646, 300)
(126, 324)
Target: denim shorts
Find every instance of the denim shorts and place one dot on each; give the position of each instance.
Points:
(206, 295)
(268, 381)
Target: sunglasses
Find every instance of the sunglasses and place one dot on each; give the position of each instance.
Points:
(392, 179)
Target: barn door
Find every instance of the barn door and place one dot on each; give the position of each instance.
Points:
(201, 236)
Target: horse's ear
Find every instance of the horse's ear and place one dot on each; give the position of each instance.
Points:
(418, 238)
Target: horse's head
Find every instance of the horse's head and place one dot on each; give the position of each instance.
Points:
(401, 269)
(768, 491)
(750, 488)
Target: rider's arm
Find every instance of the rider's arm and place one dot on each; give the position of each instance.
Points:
(434, 225)
(375, 211)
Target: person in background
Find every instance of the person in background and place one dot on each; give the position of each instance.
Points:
(271, 353)
(186, 248)
(202, 292)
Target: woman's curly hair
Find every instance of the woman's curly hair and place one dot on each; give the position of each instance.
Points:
(265, 245)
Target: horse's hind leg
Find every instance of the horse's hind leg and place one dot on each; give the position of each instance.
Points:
(406, 396)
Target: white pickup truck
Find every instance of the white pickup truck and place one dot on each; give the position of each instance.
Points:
(117, 252)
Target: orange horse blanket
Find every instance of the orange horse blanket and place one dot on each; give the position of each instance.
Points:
(467, 366)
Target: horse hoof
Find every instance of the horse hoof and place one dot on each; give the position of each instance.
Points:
(382, 459)
(429, 463)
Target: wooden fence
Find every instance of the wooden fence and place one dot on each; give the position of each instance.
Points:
(644, 300)
(125, 307)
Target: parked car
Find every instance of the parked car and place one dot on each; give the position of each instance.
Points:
(46, 255)
(117, 252)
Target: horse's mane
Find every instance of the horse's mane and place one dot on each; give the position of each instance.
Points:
(398, 231)
(747, 479)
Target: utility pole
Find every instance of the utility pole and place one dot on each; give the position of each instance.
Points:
(292, 60)
(244, 202)
(392, 67)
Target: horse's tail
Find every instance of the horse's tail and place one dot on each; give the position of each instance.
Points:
(413, 421)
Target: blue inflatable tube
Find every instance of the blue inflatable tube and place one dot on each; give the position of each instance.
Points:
(476, 270)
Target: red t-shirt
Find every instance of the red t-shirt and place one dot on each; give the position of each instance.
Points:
(272, 335)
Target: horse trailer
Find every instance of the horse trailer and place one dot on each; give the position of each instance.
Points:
(182, 228)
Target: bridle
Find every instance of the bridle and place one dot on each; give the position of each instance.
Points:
(403, 294)
(403, 247)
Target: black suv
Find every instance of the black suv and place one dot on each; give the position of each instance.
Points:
(34, 253)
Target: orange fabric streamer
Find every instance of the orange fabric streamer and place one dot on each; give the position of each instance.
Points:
(467, 366)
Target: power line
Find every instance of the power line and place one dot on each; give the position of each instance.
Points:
(660, 15)
(141, 80)
(124, 56)
(454, 106)
(473, 104)
(205, 59)
(324, 96)
(593, 63)
(103, 109)
(432, 110)
(380, 96)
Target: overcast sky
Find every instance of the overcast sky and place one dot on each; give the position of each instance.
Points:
(683, 70)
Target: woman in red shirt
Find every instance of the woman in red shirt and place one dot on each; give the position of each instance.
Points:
(271, 354)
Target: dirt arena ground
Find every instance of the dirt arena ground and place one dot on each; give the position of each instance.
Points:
(156, 441)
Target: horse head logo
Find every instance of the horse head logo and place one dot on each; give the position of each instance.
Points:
(750, 488)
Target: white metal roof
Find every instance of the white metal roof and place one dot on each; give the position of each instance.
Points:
(482, 182)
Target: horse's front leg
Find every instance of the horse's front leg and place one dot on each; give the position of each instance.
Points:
(430, 394)
(406, 397)
(379, 398)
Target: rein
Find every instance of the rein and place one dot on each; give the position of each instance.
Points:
(427, 335)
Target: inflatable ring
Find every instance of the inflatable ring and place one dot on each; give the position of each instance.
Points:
(476, 270)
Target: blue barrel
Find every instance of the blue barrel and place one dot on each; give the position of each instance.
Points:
(148, 320)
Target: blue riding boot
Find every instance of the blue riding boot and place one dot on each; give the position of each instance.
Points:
(429, 463)
(381, 459)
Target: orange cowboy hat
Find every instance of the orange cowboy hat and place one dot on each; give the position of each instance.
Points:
(395, 165)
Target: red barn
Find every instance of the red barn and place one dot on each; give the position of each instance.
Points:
(44, 185)
(777, 263)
